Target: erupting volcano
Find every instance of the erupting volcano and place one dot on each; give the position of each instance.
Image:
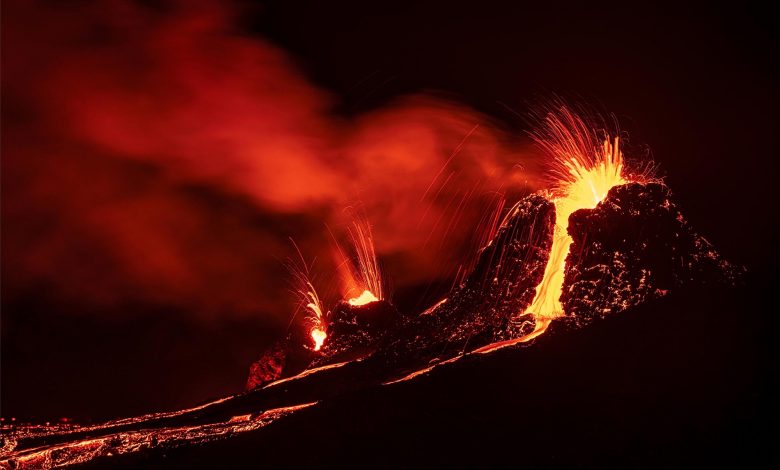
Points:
(603, 239)
(279, 234)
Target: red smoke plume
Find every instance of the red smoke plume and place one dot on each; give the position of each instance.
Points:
(161, 154)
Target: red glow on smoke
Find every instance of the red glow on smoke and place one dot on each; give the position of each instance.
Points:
(149, 154)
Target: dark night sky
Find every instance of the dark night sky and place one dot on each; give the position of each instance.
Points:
(696, 85)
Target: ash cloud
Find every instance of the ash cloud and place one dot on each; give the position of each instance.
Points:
(162, 155)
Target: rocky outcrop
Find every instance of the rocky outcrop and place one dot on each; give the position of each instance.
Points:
(635, 246)
(480, 310)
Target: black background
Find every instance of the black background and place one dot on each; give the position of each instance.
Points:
(697, 84)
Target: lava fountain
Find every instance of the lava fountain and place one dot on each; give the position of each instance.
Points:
(361, 276)
(583, 168)
(308, 299)
(583, 173)
(318, 333)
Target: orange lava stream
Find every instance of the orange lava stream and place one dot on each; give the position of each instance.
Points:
(309, 372)
(417, 373)
(584, 182)
(85, 450)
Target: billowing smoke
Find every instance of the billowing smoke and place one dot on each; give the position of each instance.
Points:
(159, 154)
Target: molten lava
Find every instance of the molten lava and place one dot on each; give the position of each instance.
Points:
(318, 336)
(585, 174)
(360, 273)
(308, 298)
(318, 333)
(365, 298)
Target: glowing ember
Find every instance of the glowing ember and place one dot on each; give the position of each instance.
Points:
(585, 173)
(365, 298)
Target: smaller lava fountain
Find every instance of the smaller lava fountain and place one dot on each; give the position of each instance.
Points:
(361, 275)
(308, 299)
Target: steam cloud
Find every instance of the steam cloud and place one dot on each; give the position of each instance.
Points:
(161, 155)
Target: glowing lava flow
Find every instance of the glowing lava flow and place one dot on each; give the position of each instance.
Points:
(583, 183)
(81, 451)
(585, 173)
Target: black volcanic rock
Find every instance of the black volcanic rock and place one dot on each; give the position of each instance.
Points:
(633, 247)
(284, 358)
(478, 312)
(269, 367)
(355, 330)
